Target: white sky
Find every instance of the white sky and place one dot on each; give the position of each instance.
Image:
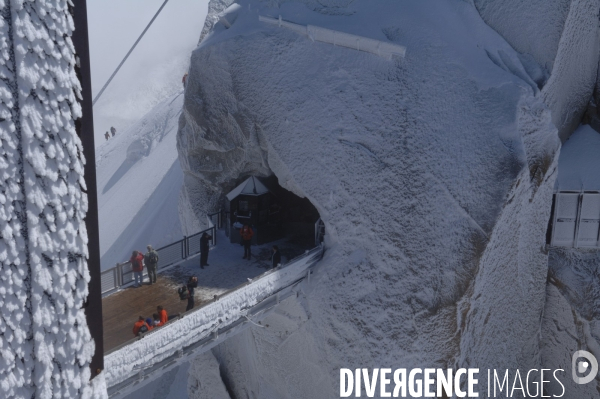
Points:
(154, 69)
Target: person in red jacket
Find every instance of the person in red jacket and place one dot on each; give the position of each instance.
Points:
(140, 326)
(246, 233)
(137, 266)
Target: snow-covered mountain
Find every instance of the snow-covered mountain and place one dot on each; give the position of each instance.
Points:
(433, 174)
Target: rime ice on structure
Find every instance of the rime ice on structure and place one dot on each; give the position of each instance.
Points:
(15, 320)
(45, 343)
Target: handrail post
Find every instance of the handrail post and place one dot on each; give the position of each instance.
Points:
(184, 251)
(119, 271)
(578, 219)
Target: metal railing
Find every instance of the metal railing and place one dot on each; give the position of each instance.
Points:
(169, 255)
(384, 49)
(576, 219)
(216, 219)
(319, 232)
(275, 285)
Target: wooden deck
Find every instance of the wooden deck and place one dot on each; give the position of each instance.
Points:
(122, 309)
(227, 270)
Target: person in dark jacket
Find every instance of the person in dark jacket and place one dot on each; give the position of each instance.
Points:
(137, 266)
(150, 323)
(151, 262)
(246, 232)
(191, 284)
(276, 257)
(106, 136)
(204, 249)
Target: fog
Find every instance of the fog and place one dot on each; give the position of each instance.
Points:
(155, 68)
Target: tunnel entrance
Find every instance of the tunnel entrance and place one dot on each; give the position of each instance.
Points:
(272, 212)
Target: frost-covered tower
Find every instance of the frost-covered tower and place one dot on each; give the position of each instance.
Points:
(45, 343)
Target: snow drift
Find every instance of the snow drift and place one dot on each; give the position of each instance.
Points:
(433, 175)
(560, 39)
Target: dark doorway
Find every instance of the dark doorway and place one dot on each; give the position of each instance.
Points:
(272, 211)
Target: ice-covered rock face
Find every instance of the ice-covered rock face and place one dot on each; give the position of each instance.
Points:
(562, 37)
(432, 173)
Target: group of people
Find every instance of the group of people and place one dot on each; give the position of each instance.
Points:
(160, 318)
(113, 131)
(150, 261)
(139, 260)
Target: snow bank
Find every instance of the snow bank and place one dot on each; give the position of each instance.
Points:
(210, 386)
(139, 180)
(173, 385)
(562, 37)
(531, 27)
(562, 335)
(433, 175)
(571, 321)
(579, 161)
(45, 342)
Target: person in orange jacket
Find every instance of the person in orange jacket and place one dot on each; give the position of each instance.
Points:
(137, 266)
(162, 314)
(140, 326)
(246, 232)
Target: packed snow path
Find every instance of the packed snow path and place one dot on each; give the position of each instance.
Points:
(197, 331)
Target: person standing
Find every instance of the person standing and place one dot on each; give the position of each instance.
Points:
(204, 249)
(191, 284)
(151, 261)
(106, 136)
(137, 265)
(246, 233)
(184, 80)
(276, 258)
(113, 131)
